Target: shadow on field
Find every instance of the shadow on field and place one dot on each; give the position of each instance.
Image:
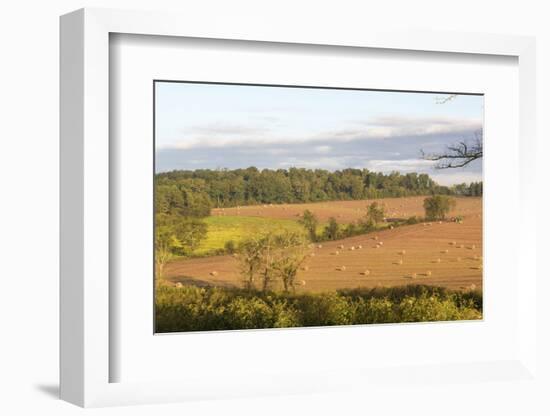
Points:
(193, 281)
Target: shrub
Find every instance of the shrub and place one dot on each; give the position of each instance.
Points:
(230, 247)
(375, 213)
(203, 309)
(413, 220)
(438, 206)
(332, 229)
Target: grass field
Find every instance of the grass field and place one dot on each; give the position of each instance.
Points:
(446, 254)
(236, 228)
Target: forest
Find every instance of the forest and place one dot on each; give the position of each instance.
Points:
(193, 193)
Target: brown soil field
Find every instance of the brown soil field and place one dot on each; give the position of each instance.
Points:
(349, 211)
(444, 254)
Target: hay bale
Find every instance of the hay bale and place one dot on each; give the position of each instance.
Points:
(305, 268)
(179, 284)
(429, 273)
(341, 246)
(213, 273)
(320, 246)
(402, 252)
(351, 248)
(413, 275)
(302, 282)
(341, 268)
(400, 262)
(359, 247)
(365, 272)
(445, 251)
(438, 260)
(335, 253)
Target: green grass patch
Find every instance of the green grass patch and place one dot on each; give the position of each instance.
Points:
(237, 228)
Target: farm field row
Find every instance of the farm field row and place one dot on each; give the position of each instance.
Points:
(443, 254)
(348, 211)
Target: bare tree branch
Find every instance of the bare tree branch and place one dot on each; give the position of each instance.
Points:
(458, 155)
(443, 100)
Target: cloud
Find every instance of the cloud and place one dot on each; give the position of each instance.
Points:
(322, 149)
(223, 134)
(381, 144)
(403, 165)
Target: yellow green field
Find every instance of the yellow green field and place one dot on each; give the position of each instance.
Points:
(238, 228)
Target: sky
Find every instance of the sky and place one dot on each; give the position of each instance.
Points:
(200, 126)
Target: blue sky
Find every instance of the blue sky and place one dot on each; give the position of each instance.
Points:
(234, 126)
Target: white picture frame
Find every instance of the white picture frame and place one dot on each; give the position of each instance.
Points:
(85, 220)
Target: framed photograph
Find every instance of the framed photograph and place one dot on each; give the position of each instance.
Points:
(288, 206)
(275, 212)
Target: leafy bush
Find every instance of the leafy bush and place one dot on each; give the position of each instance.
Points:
(438, 206)
(190, 308)
(413, 220)
(230, 247)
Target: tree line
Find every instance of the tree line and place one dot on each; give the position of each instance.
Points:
(194, 193)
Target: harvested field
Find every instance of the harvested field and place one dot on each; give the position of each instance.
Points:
(447, 254)
(349, 211)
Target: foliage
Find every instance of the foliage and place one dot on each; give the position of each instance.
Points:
(192, 193)
(176, 235)
(310, 222)
(332, 230)
(186, 198)
(230, 247)
(272, 257)
(472, 189)
(190, 308)
(438, 206)
(374, 216)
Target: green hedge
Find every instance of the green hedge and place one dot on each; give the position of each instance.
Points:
(190, 308)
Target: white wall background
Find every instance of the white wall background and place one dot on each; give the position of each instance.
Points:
(29, 183)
